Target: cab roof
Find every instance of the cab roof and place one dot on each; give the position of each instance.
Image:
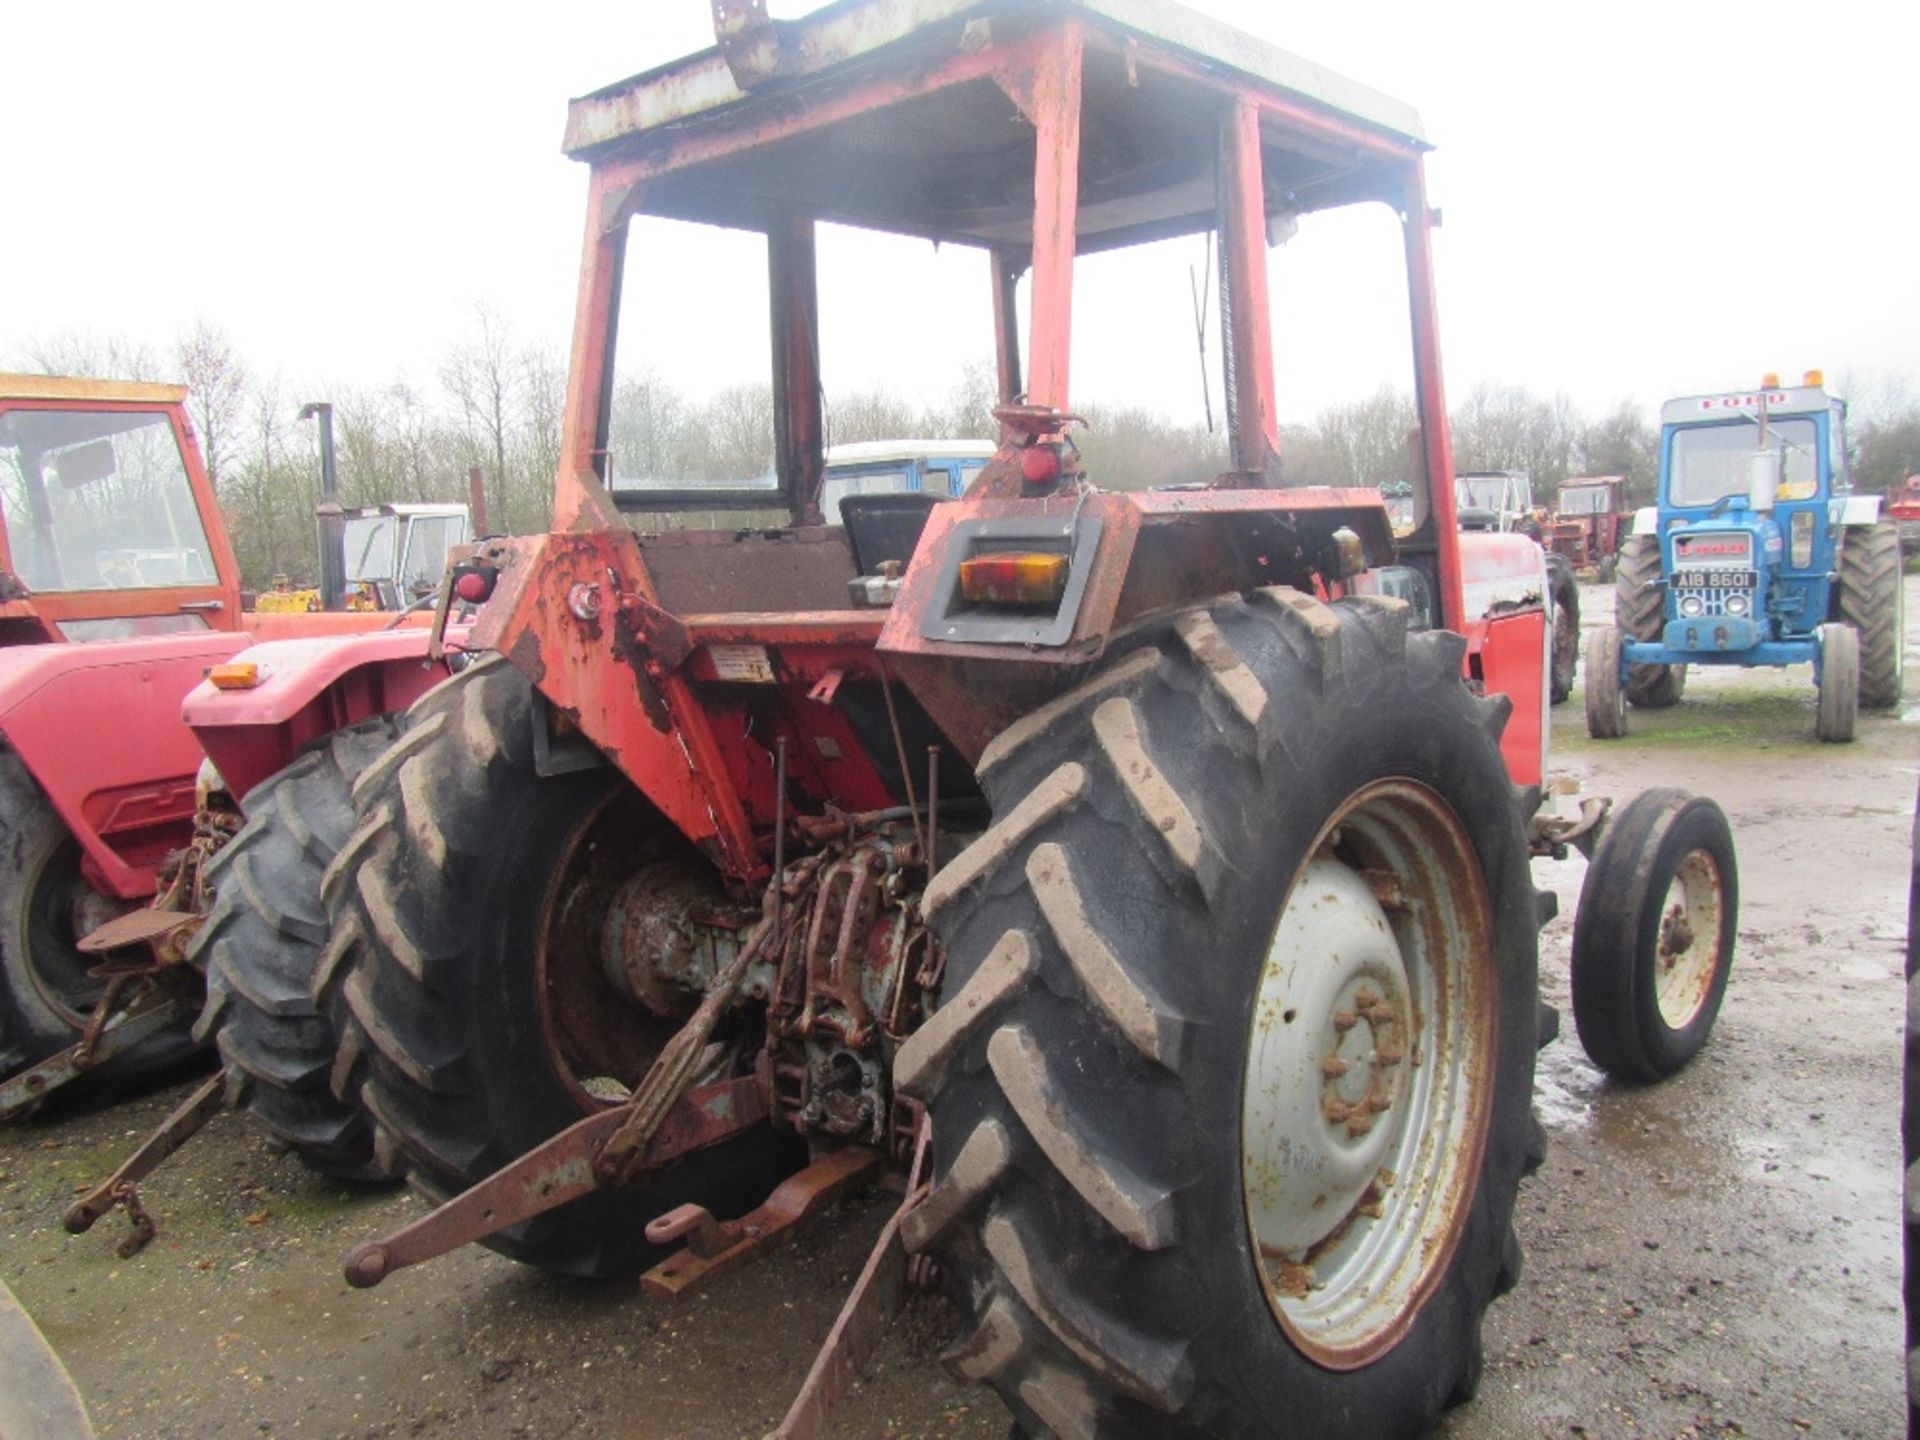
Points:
(1745, 404)
(954, 161)
(15, 386)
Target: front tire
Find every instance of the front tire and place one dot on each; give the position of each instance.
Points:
(474, 1022)
(1653, 938)
(1640, 613)
(1869, 597)
(1136, 962)
(1606, 701)
(262, 942)
(1838, 705)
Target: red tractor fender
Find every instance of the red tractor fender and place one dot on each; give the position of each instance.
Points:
(99, 729)
(1504, 588)
(305, 689)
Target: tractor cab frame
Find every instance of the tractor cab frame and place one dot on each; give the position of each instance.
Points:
(1036, 122)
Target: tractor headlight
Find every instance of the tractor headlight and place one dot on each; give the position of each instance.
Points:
(1737, 604)
(1692, 607)
(1802, 547)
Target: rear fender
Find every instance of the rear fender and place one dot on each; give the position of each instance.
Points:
(99, 729)
(307, 688)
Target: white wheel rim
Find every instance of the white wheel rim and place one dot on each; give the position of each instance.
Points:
(1686, 950)
(1369, 1081)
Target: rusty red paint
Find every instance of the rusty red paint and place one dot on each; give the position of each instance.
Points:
(1256, 432)
(1431, 395)
(1052, 94)
(800, 436)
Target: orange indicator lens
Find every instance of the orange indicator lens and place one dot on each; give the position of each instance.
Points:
(1014, 579)
(235, 675)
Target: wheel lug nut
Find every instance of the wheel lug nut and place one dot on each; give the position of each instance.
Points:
(1358, 1125)
(1364, 999)
(1344, 1020)
(1378, 1103)
(1386, 1059)
(1333, 1067)
(1336, 1111)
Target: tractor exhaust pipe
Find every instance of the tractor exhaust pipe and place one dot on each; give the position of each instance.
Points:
(332, 521)
(477, 501)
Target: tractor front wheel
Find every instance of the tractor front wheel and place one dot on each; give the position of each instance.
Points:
(1606, 701)
(1869, 597)
(262, 942)
(464, 972)
(1640, 613)
(1653, 938)
(1231, 1078)
(1839, 702)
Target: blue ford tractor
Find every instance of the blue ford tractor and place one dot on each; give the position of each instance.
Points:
(1757, 554)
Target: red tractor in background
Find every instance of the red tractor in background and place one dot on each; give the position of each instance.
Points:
(1137, 880)
(1903, 508)
(1590, 517)
(118, 594)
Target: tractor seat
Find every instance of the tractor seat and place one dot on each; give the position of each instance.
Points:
(885, 527)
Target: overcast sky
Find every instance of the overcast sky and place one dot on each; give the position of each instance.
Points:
(1640, 200)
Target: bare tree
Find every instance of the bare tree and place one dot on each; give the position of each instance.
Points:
(216, 380)
(482, 376)
(1623, 442)
(94, 357)
(1365, 442)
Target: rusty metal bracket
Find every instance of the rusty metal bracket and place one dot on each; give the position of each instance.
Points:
(120, 1188)
(550, 1175)
(1551, 835)
(716, 1246)
(150, 925)
(24, 1093)
(749, 41)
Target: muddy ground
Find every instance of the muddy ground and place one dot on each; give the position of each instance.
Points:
(1718, 1256)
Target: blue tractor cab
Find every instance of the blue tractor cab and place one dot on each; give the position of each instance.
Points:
(1757, 554)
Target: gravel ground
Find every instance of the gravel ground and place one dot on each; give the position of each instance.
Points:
(1717, 1256)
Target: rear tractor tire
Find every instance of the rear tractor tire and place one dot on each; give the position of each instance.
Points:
(1640, 613)
(262, 941)
(1232, 1073)
(46, 906)
(1839, 701)
(1869, 597)
(1653, 938)
(463, 974)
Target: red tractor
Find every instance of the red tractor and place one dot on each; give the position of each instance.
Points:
(118, 594)
(1138, 880)
(1590, 518)
(1903, 508)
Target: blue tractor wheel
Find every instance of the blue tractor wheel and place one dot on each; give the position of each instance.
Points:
(1839, 702)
